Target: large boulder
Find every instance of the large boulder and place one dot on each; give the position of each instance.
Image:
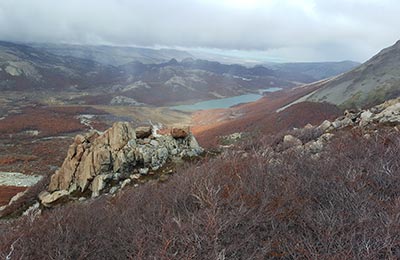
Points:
(180, 132)
(47, 198)
(291, 141)
(390, 115)
(325, 126)
(93, 160)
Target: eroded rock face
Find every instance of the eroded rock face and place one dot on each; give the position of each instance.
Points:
(143, 131)
(95, 160)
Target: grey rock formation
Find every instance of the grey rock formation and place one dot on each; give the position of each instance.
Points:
(291, 141)
(94, 161)
(385, 114)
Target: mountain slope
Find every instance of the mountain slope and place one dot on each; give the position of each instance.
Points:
(113, 55)
(191, 80)
(73, 80)
(24, 68)
(85, 81)
(373, 82)
(309, 72)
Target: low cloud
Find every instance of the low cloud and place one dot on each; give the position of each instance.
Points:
(295, 30)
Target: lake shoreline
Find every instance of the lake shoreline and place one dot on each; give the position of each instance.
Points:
(224, 102)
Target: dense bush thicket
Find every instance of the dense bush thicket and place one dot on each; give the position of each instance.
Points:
(252, 205)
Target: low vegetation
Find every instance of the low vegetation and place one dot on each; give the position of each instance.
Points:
(262, 118)
(46, 122)
(248, 203)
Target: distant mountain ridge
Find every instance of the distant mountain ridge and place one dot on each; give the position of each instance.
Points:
(25, 68)
(312, 71)
(113, 55)
(85, 81)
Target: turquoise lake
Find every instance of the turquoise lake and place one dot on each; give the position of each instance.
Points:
(224, 102)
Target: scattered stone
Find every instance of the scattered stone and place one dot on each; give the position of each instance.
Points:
(391, 114)
(47, 198)
(135, 176)
(326, 137)
(33, 211)
(314, 147)
(365, 118)
(342, 122)
(144, 171)
(125, 182)
(352, 115)
(291, 141)
(325, 126)
(180, 132)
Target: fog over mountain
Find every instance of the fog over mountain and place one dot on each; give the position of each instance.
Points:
(265, 30)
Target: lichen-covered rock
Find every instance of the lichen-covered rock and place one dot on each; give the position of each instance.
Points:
(47, 198)
(325, 126)
(291, 141)
(342, 122)
(366, 117)
(391, 114)
(98, 184)
(95, 159)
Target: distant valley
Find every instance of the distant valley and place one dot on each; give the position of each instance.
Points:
(105, 75)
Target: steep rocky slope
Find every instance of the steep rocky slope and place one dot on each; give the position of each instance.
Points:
(308, 72)
(373, 82)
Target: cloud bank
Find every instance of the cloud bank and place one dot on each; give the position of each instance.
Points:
(294, 30)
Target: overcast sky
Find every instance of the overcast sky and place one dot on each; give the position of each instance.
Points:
(275, 30)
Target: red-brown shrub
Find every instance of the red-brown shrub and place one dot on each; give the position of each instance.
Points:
(251, 204)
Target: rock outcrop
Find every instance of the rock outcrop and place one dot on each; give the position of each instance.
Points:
(94, 160)
(386, 114)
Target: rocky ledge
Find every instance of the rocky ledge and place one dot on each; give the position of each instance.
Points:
(98, 163)
(384, 115)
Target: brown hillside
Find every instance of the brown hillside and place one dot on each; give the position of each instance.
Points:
(261, 116)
